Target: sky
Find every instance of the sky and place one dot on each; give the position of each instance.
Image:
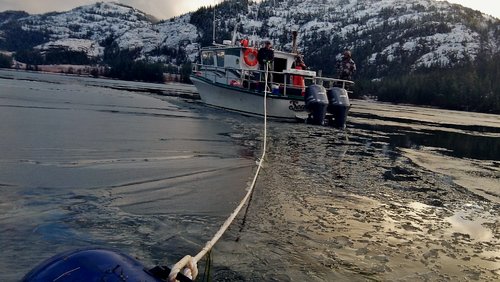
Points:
(164, 9)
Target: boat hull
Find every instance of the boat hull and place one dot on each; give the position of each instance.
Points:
(247, 101)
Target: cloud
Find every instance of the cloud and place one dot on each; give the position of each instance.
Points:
(489, 7)
(35, 6)
(161, 9)
(164, 9)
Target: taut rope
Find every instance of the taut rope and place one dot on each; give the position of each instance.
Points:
(188, 264)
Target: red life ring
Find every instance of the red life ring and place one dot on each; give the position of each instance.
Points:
(250, 57)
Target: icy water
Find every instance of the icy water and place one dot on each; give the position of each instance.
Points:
(404, 193)
(83, 165)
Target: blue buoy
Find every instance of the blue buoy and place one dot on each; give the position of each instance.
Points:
(94, 265)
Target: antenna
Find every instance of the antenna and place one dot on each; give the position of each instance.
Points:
(213, 28)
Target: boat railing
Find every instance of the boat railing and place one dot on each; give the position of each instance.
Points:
(279, 83)
(328, 83)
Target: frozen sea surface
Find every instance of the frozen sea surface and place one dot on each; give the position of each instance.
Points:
(404, 193)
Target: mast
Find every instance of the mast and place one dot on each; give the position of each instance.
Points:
(233, 41)
(294, 41)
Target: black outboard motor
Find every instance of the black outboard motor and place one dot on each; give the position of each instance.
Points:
(338, 106)
(316, 103)
(96, 264)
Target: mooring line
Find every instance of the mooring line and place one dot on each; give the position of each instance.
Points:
(188, 264)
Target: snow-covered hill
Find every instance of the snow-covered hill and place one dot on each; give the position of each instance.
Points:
(94, 22)
(93, 27)
(384, 35)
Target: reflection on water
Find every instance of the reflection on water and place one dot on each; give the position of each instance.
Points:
(490, 128)
(455, 144)
(462, 223)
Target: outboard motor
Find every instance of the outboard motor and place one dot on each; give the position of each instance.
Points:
(316, 103)
(96, 265)
(338, 105)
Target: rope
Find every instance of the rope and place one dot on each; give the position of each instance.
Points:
(189, 264)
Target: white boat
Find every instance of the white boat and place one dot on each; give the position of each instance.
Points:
(229, 76)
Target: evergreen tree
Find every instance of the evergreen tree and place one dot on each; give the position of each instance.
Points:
(185, 72)
(19, 39)
(5, 61)
(28, 56)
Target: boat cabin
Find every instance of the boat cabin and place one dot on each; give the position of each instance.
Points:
(237, 66)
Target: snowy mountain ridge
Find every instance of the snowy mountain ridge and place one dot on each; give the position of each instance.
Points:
(383, 35)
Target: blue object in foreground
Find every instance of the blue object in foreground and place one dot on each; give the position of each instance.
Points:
(95, 265)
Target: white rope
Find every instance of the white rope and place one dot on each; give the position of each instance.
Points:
(188, 263)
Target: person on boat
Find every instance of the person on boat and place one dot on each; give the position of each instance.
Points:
(297, 80)
(265, 55)
(346, 66)
(244, 42)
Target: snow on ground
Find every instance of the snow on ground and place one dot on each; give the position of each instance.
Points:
(90, 47)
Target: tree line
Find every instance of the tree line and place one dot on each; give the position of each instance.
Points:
(5, 61)
(472, 87)
(120, 64)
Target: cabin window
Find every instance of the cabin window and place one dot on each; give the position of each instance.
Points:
(279, 66)
(207, 58)
(220, 58)
(233, 52)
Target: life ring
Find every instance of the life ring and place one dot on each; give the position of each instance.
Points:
(250, 57)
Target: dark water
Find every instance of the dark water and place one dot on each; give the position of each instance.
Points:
(455, 144)
(84, 163)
